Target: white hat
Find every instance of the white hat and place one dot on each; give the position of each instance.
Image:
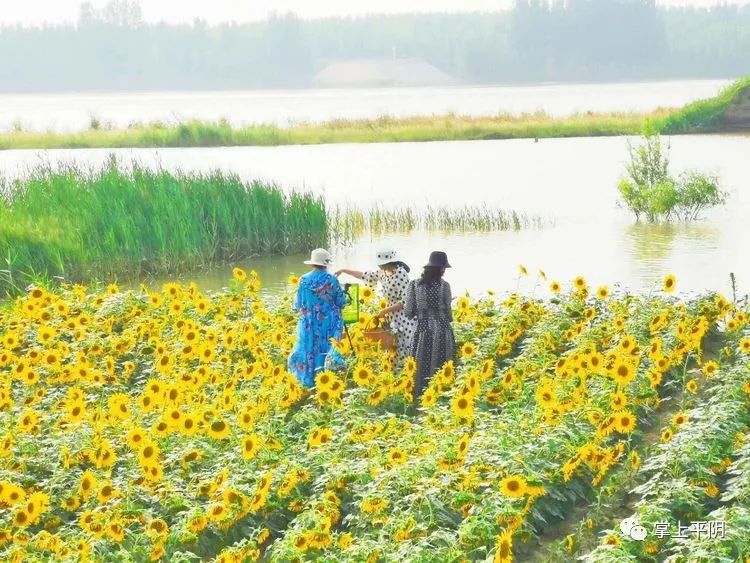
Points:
(319, 257)
(387, 256)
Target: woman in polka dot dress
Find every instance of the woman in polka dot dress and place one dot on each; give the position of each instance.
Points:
(428, 300)
(393, 278)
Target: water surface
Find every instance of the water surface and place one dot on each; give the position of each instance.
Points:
(571, 180)
(73, 112)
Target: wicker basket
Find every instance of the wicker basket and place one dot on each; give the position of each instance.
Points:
(381, 334)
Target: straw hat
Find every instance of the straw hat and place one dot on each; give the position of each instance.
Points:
(319, 257)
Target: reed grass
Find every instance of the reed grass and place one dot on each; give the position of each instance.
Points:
(106, 222)
(348, 224)
(383, 129)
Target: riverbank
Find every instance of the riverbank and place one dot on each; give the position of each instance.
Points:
(702, 116)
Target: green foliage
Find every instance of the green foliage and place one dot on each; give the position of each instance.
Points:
(702, 115)
(80, 223)
(650, 191)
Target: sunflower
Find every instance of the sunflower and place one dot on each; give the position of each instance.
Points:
(397, 456)
(635, 460)
(21, 519)
(410, 366)
(669, 283)
(546, 397)
(555, 287)
(218, 429)
(362, 375)
(745, 345)
(189, 425)
(468, 350)
(692, 386)
(462, 406)
(522, 270)
(514, 486)
(624, 422)
(504, 548)
(250, 446)
(239, 274)
(666, 435)
(602, 292)
(320, 437)
(463, 446)
(680, 418)
(710, 368)
(377, 396)
(612, 540)
(618, 400)
(157, 528)
(149, 453)
(106, 492)
(623, 372)
(373, 504)
(579, 282)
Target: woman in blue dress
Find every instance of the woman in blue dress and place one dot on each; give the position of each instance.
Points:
(319, 302)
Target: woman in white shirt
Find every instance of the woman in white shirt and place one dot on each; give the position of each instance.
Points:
(393, 278)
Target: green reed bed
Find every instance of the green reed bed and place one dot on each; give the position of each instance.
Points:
(348, 223)
(109, 222)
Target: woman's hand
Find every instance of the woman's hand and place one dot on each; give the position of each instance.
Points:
(382, 314)
(337, 273)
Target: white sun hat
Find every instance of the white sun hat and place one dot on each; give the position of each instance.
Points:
(387, 255)
(319, 257)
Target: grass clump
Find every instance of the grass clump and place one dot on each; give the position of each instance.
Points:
(348, 224)
(107, 222)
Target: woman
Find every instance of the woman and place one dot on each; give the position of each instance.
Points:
(393, 277)
(429, 301)
(319, 303)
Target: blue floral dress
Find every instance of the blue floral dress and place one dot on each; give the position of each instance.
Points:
(319, 303)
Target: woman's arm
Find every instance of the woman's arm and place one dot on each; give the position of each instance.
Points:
(447, 300)
(354, 273)
(410, 308)
(390, 310)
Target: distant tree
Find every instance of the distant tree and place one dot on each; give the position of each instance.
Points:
(122, 13)
(86, 14)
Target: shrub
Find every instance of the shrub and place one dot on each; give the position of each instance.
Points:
(649, 190)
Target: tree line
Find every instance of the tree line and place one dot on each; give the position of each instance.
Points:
(537, 40)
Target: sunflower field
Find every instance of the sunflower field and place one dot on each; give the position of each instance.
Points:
(163, 426)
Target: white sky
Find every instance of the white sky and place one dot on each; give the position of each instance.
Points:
(35, 12)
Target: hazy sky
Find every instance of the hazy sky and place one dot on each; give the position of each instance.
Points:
(33, 12)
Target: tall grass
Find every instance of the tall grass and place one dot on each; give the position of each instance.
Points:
(81, 223)
(348, 224)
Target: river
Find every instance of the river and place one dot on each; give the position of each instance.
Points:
(571, 181)
(74, 111)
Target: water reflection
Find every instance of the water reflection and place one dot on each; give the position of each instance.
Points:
(653, 245)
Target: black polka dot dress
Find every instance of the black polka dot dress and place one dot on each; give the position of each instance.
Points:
(393, 287)
(433, 343)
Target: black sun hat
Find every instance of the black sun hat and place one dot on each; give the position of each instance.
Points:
(438, 259)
